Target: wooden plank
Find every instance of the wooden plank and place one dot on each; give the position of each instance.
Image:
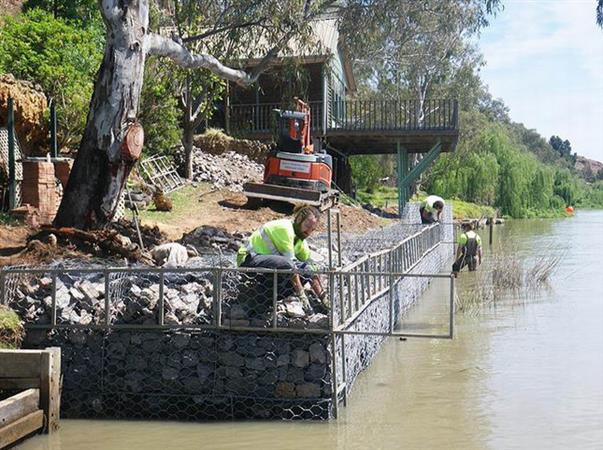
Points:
(50, 396)
(19, 383)
(21, 428)
(19, 405)
(17, 364)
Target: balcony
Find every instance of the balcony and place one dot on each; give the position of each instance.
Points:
(360, 126)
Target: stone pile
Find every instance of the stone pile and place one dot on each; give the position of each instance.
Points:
(207, 237)
(229, 170)
(188, 299)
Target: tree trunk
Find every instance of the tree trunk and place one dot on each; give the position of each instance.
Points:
(188, 131)
(100, 171)
(187, 141)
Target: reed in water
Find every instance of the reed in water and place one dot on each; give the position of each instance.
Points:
(507, 274)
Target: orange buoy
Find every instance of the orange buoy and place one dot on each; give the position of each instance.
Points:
(569, 210)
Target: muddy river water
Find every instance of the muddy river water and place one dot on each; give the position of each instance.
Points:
(524, 371)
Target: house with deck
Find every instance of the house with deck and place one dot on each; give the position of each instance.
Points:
(344, 122)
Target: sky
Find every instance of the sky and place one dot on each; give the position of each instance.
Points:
(544, 58)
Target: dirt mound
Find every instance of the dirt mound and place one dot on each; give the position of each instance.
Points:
(30, 104)
(151, 235)
(76, 243)
(215, 142)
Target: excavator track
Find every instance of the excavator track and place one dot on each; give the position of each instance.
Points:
(295, 196)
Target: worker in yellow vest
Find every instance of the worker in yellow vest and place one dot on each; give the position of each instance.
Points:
(431, 209)
(281, 244)
(469, 250)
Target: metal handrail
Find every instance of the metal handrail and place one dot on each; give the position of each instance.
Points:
(354, 115)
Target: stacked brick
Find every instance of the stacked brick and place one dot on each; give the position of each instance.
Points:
(39, 189)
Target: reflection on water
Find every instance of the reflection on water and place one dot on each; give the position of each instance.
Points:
(521, 373)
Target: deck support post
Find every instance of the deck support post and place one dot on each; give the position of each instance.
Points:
(422, 165)
(402, 171)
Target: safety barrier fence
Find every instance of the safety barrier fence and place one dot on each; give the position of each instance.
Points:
(131, 300)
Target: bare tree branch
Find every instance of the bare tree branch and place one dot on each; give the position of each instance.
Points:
(162, 46)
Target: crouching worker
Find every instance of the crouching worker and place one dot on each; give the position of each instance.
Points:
(431, 209)
(281, 244)
(469, 250)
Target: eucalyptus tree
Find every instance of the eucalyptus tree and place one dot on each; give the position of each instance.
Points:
(103, 162)
(415, 46)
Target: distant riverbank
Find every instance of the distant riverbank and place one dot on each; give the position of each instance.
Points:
(387, 197)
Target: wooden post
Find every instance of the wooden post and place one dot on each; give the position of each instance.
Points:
(50, 395)
(38, 373)
(490, 228)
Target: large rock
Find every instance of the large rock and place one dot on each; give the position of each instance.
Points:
(30, 104)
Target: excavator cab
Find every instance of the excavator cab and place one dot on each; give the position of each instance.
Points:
(294, 172)
(292, 128)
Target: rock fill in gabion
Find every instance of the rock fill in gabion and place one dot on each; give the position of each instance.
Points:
(189, 298)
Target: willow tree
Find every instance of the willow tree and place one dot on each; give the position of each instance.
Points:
(103, 162)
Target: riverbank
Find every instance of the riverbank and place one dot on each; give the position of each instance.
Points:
(386, 198)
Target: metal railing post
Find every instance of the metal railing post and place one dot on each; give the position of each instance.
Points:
(334, 385)
(329, 241)
(344, 371)
(391, 302)
(338, 224)
(218, 298)
(451, 312)
(161, 312)
(348, 278)
(53, 311)
(342, 315)
(357, 291)
(107, 299)
(3, 300)
(274, 299)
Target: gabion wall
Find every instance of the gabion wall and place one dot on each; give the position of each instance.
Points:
(224, 374)
(183, 375)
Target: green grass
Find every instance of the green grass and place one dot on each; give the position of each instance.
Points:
(11, 328)
(380, 197)
(184, 202)
(468, 210)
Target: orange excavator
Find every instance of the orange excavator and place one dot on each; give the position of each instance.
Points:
(296, 172)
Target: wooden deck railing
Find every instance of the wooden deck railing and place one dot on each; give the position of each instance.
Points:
(352, 115)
